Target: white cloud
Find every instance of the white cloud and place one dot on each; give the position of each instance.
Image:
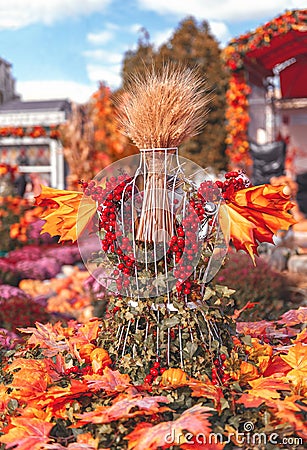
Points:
(104, 56)
(48, 90)
(135, 28)
(161, 37)
(20, 13)
(220, 31)
(229, 10)
(100, 38)
(107, 74)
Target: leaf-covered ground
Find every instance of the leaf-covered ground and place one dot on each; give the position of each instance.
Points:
(59, 389)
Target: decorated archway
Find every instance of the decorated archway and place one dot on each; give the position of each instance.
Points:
(278, 47)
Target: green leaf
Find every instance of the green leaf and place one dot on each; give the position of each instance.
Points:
(190, 349)
(208, 293)
(171, 322)
(247, 340)
(224, 290)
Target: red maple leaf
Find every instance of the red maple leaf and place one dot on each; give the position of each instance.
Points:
(124, 408)
(27, 433)
(110, 381)
(166, 434)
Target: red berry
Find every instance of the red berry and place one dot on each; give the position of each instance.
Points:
(223, 357)
(148, 379)
(216, 362)
(154, 372)
(162, 370)
(156, 364)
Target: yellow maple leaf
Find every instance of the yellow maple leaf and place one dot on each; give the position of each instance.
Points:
(255, 214)
(297, 357)
(65, 215)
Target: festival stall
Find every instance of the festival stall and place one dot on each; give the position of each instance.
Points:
(267, 98)
(29, 140)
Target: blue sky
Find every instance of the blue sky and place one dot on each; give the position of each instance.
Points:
(63, 48)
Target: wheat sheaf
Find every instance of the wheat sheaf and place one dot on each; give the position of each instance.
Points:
(163, 107)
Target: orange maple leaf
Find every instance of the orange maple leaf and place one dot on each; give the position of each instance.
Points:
(124, 408)
(255, 214)
(27, 433)
(297, 360)
(297, 357)
(301, 337)
(166, 434)
(31, 378)
(267, 388)
(110, 381)
(250, 401)
(63, 210)
(288, 411)
(86, 333)
(207, 390)
(56, 397)
(276, 367)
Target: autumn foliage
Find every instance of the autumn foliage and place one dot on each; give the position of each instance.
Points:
(60, 390)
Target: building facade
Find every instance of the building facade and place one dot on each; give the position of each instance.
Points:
(29, 133)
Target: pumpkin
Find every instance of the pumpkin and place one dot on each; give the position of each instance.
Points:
(174, 376)
(85, 351)
(100, 358)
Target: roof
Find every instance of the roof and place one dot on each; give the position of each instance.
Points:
(278, 45)
(15, 106)
(290, 47)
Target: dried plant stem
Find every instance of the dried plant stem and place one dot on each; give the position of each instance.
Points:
(156, 218)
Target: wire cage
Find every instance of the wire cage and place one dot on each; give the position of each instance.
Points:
(156, 242)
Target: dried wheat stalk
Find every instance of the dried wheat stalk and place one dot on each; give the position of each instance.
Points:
(160, 110)
(163, 108)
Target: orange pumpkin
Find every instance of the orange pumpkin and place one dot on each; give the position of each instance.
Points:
(100, 358)
(85, 351)
(174, 376)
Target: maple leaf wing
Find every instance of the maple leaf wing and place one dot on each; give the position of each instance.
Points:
(63, 209)
(256, 214)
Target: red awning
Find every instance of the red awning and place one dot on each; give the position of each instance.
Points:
(280, 49)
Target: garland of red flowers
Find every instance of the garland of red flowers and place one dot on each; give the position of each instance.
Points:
(238, 91)
(7, 169)
(37, 131)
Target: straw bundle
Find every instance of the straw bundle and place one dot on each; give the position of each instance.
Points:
(163, 108)
(159, 111)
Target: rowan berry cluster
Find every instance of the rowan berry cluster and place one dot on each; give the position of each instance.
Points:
(154, 372)
(208, 192)
(79, 371)
(117, 190)
(234, 181)
(218, 374)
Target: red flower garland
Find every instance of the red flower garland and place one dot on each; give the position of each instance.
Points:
(37, 131)
(237, 95)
